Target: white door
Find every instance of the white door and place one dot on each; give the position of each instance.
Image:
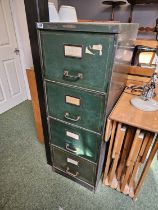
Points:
(12, 84)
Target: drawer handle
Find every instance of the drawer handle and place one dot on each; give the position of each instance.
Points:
(71, 150)
(72, 78)
(67, 116)
(68, 172)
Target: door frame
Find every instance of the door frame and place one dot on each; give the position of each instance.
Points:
(22, 54)
(37, 11)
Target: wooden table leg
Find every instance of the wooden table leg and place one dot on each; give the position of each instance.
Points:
(138, 161)
(110, 151)
(133, 176)
(116, 150)
(125, 152)
(146, 168)
(132, 157)
(108, 130)
(113, 168)
(147, 148)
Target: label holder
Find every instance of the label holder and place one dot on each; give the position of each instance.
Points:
(72, 135)
(72, 100)
(74, 162)
(73, 51)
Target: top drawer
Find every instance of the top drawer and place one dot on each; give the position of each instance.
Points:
(81, 59)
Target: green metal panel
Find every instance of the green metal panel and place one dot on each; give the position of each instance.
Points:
(79, 72)
(89, 70)
(89, 113)
(80, 142)
(74, 166)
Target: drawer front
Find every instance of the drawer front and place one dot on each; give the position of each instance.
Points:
(74, 166)
(80, 142)
(81, 59)
(78, 107)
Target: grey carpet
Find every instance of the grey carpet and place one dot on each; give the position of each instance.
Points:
(27, 182)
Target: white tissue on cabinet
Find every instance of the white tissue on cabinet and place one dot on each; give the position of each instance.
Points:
(53, 14)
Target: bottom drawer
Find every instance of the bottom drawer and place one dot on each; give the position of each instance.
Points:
(74, 166)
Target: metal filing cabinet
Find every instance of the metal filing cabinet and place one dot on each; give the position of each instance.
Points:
(84, 72)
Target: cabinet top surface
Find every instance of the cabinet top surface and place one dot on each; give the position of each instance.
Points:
(88, 26)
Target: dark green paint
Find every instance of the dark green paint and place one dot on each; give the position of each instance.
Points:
(87, 146)
(114, 28)
(91, 79)
(94, 68)
(90, 111)
(85, 170)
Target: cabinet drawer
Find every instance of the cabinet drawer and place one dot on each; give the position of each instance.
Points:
(78, 107)
(74, 166)
(80, 142)
(81, 59)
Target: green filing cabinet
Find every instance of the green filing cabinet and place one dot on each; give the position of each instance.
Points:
(84, 72)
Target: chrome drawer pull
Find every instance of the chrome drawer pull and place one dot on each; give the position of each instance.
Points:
(71, 150)
(68, 172)
(67, 116)
(72, 78)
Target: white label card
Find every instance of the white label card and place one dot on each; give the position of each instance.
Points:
(96, 49)
(73, 100)
(73, 51)
(74, 162)
(72, 135)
